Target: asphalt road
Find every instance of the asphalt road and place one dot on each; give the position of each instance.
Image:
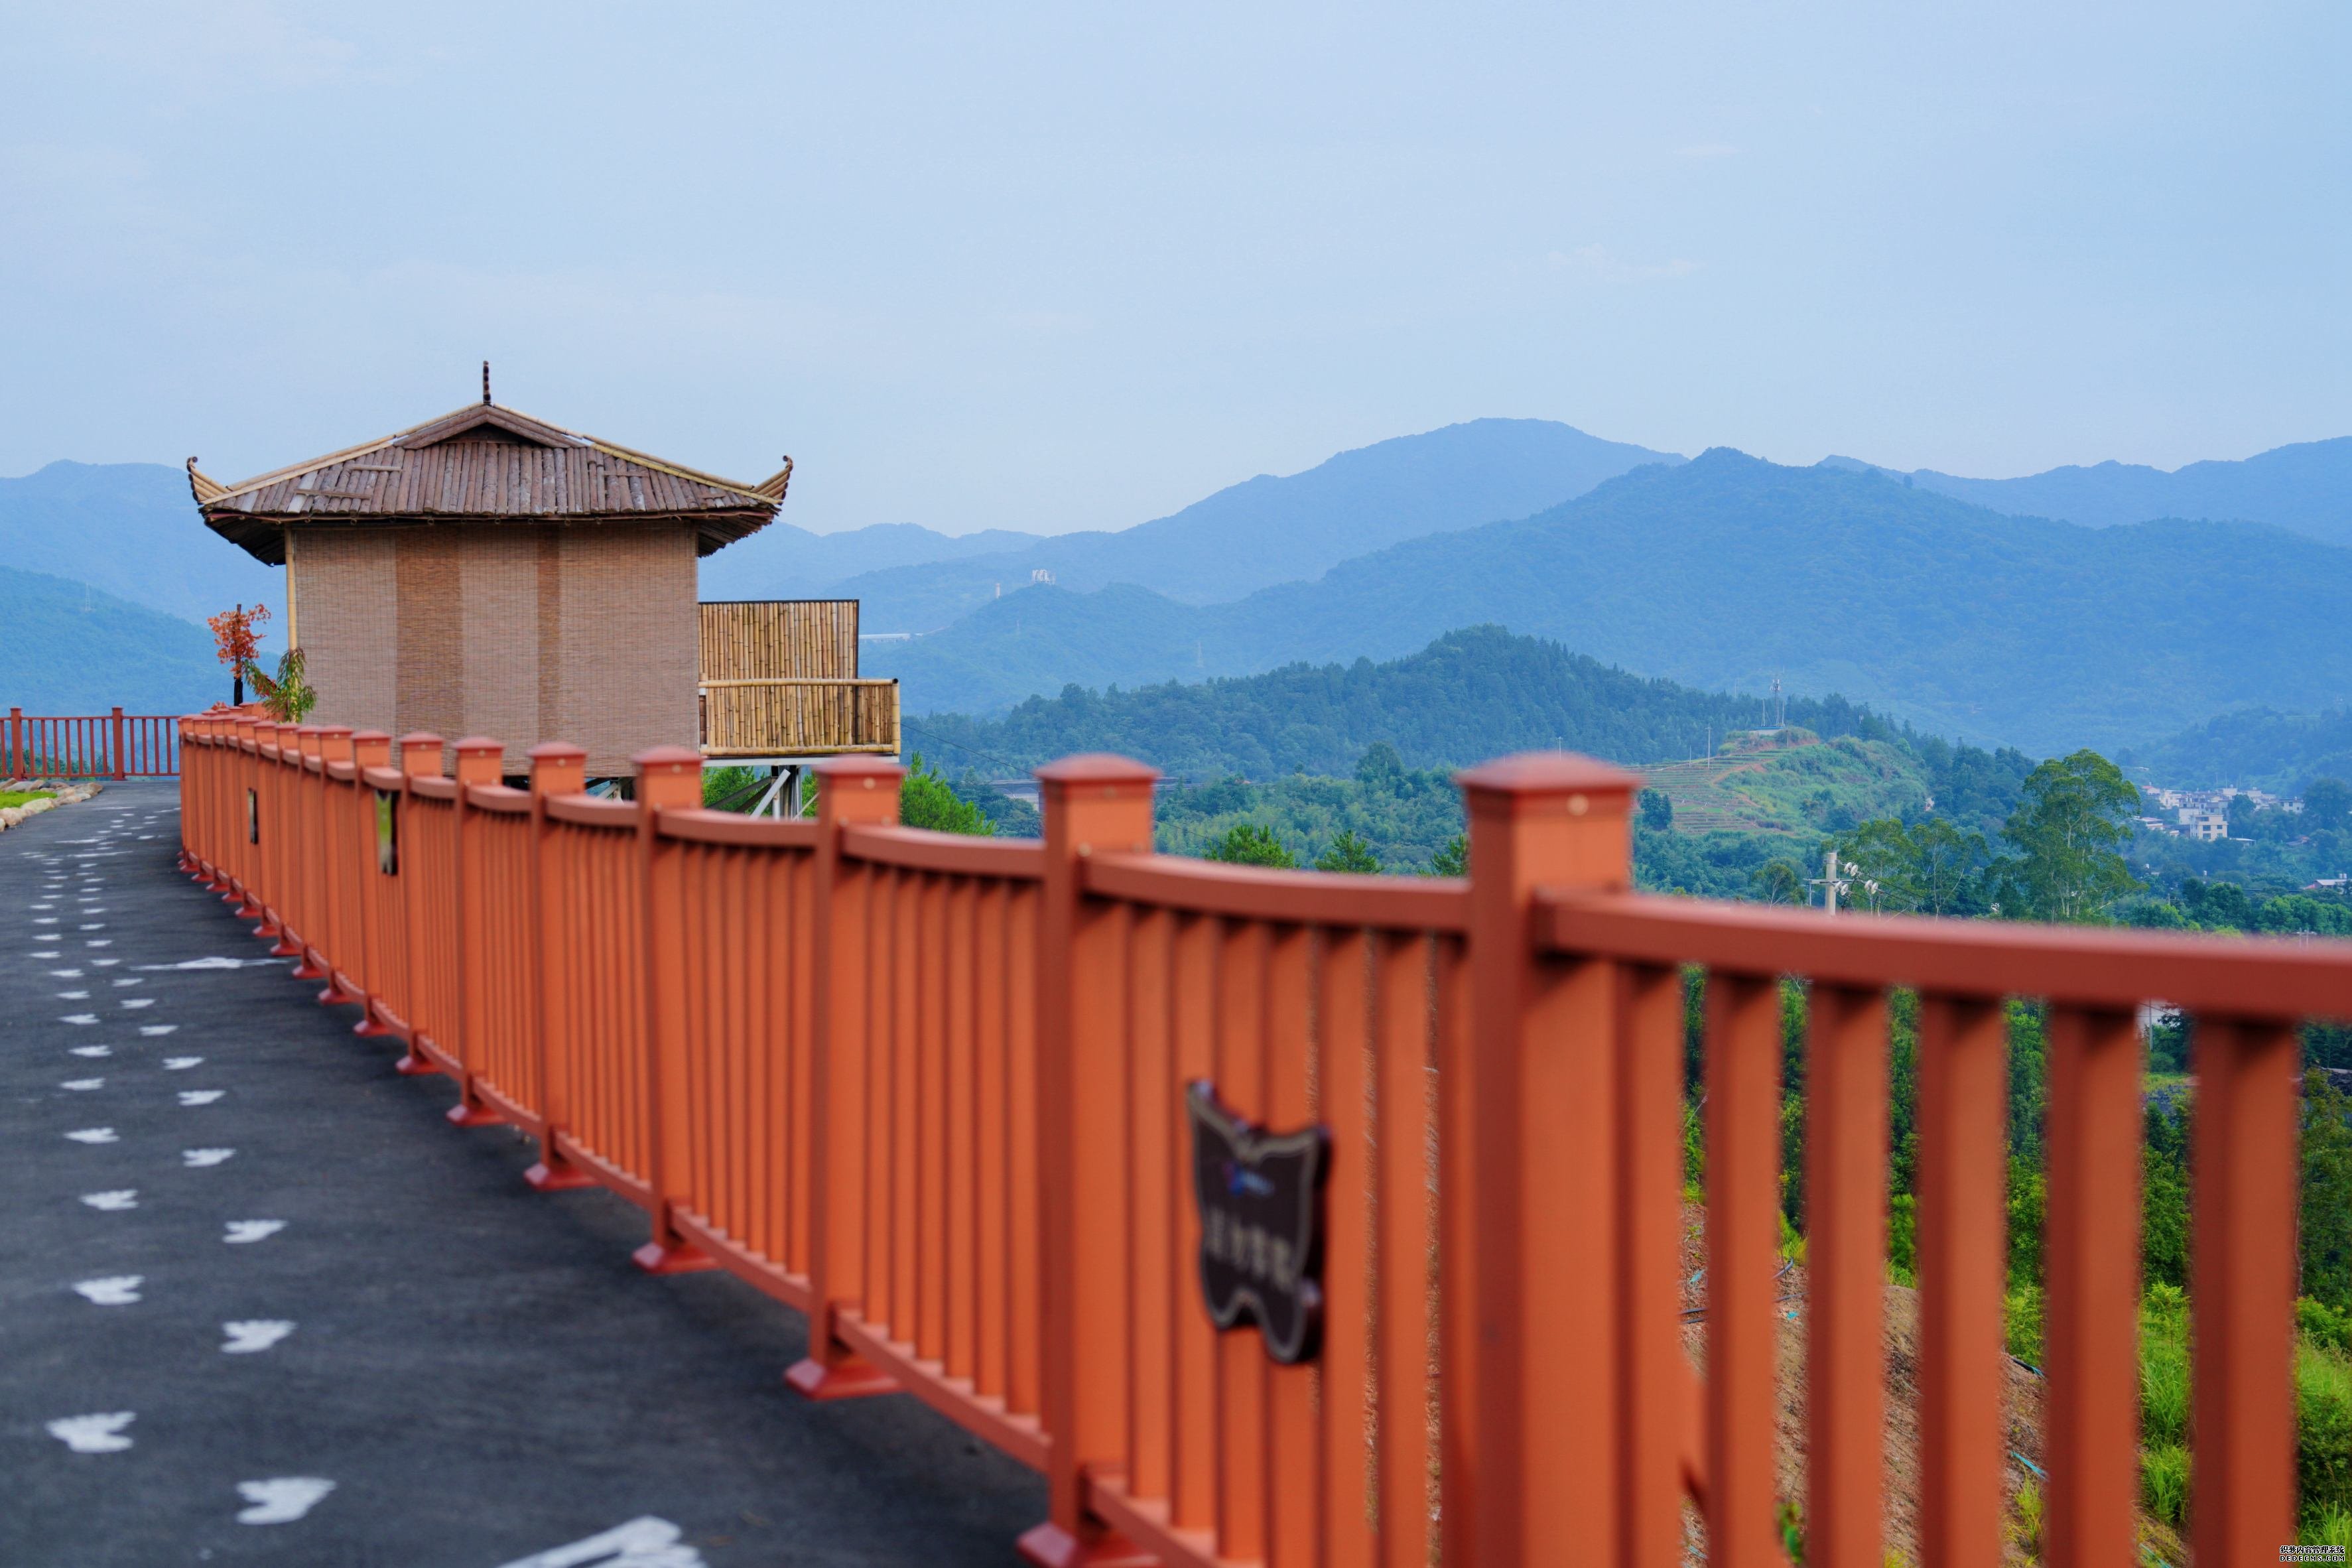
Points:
(260, 1304)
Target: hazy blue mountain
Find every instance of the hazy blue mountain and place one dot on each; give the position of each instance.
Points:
(2256, 748)
(1267, 530)
(2306, 488)
(1726, 571)
(782, 561)
(69, 649)
(130, 530)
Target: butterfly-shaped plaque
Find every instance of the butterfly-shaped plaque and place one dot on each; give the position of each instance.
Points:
(1260, 1199)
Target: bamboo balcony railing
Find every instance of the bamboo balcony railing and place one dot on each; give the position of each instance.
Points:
(931, 1091)
(799, 717)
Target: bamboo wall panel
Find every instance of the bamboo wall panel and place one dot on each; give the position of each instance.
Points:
(764, 639)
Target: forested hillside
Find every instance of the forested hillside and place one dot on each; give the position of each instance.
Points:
(2255, 748)
(1470, 695)
(1726, 571)
(68, 648)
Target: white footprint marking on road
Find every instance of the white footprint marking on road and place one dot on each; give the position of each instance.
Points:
(281, 1500)
(73, 996)
(51, 952)
(128, 1198)
(83, 1083)
(100, 942)
(644, 1542)
(93, 1434)
(92, 1051)
(254, 1334)
(244, 1230)
(129, 979)
(93, 1135)
(136, 1001)
(118, 1291)
(102, 962)
(200, 1096)
(79, 1018)
(198, 1159)
(180, 1064)
(64, 974)
(45, 920)
(157, 1028)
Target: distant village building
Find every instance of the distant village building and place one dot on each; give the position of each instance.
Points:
(2203, 825)
(491, 573)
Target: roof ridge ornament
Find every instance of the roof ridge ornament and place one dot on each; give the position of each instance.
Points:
(486, 383)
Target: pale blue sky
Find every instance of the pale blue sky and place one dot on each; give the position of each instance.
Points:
(1076, 266)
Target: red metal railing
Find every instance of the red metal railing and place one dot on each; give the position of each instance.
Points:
(112, 745)
(931, 1091)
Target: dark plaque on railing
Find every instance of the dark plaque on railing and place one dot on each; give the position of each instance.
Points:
(252, 817)
(1260, 1197)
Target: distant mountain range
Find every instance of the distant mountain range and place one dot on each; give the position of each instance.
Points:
(130, 530)
(1728, 571)
(2306, 488)
(1262, 532)
(1958, 604)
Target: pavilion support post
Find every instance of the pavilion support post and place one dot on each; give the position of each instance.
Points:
(669, 778)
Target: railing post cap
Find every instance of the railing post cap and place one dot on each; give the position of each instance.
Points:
(1098, 768)
(476, 745)
(557, 751)
(333, 729)
(371, 737)
(1534, 777)
(666, 758)
(420, 737)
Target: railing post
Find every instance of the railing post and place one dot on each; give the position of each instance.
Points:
(865, 791)
(327, 935)
(479, 761)
(669, 778)
(557, 767)
(370, 748)
(420, 757)
(15, 743)
(1093, 806)
(118, 741)
(1528, 1170)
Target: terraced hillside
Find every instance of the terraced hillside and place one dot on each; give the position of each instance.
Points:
(1803, 785)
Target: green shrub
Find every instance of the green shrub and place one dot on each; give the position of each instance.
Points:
(2020, 1322)
(2164, 1482)
(2325, 1324)
(2164, 1377)
(926, 799)
(2322, 1421)
(1247, 844)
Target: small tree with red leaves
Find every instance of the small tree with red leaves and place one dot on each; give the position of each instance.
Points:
(236, 635)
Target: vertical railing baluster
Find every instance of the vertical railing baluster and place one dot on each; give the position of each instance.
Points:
(850, 790)
(2091, 1238)
(2244, 1254)
(668, 777)
(1845, 1270)
(556, 768)
(1542, 1178)
(479, 760)
(1093, 806)
(1963, 1083)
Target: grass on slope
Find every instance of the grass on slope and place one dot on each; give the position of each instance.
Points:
(1812, 788)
